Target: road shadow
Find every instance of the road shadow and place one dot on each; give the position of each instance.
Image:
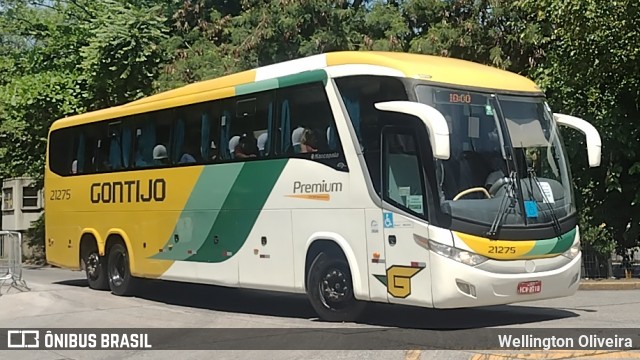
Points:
(268, 303)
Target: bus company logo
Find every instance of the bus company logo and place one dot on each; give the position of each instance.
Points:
(398, 280)
(23, 339)
(316, 156)
(316, 191)
(131, 191)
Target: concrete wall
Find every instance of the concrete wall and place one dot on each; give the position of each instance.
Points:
(19, 207)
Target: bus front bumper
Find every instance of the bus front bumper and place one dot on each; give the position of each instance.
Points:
(456, 285)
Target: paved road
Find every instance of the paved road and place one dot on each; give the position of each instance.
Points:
(60, 298)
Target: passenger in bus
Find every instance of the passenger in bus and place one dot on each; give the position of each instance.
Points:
(262, 142)
(233, 143)
(188, 157)
(247, 147)
(296, 136)
(309, 141)
(160, 156)
(213, 151)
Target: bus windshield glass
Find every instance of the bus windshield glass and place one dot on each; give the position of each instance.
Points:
(507, 164)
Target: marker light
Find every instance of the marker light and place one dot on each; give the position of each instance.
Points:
(573, 251)
(465, 257)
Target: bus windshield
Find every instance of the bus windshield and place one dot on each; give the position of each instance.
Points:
(507, 164)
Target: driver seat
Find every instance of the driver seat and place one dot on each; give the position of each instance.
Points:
(474, 172)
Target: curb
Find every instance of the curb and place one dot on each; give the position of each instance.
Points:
(610, 285)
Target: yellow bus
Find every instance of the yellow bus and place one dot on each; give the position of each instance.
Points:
(353, 177)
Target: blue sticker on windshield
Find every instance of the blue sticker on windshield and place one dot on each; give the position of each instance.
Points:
(531, 208)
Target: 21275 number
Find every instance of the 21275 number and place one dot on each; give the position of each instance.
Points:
(64, 194)
(502, 249)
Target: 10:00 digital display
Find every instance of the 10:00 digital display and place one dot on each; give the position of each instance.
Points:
(458, 97)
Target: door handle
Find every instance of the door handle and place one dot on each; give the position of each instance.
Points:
(392, 239)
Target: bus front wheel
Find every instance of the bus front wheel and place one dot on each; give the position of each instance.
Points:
(120, 280)
(330, 289)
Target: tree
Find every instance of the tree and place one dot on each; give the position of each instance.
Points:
(592, 69)
(61, 58)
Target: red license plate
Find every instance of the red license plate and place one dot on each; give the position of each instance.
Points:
(530, 287)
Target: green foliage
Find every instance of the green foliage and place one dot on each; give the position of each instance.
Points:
(36, 234)
(592, 70)
(122, 59)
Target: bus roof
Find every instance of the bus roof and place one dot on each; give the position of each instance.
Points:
(426, 67)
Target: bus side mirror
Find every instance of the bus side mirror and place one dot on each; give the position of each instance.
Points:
(432, 118)
(594, 144)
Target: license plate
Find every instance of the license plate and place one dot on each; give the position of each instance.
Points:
(530, 287)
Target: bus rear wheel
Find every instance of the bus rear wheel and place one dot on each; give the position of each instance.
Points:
(330, 289)
(120, 280)
(95, 269)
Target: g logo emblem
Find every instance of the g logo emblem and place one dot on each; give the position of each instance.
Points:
(398, 280)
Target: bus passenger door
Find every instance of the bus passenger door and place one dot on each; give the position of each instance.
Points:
(407, 277)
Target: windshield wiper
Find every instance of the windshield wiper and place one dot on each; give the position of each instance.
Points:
(552, 212)
(508, 203)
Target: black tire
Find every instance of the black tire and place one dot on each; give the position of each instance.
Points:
(95, 267)
(120, 280)
(330, 289)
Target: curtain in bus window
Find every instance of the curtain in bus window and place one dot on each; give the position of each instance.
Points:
(267, 147)
(353, 108)
(81, 152)
(205, 141)
(224, 135)
(126, 146)
(285, 125)
(115, 154)
(146, 142)
(179, 140)
(332, 137)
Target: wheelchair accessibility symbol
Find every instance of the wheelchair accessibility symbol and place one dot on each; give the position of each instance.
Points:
(388, 220)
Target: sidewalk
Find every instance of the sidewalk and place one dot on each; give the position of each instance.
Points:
(610, 284)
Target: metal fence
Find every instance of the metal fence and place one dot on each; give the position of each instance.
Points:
(11, 261)
(602, 266)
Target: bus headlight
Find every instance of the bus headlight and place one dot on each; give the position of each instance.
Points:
(573, 251)
(465, 257)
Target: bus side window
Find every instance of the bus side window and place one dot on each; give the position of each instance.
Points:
(100, 159)
(116, 159)
(403, 183)
(163, 146)
(306, 125)
(144, 140)
(188, 136)
(212, 123)
(88, 166)
(250, 123)
(63, 146)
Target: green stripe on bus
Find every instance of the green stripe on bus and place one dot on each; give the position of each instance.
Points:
(240, 210)
(209, 192)
(303, 78)
(556, 245)
(542, 247)
(258, 86)
(564, 242)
